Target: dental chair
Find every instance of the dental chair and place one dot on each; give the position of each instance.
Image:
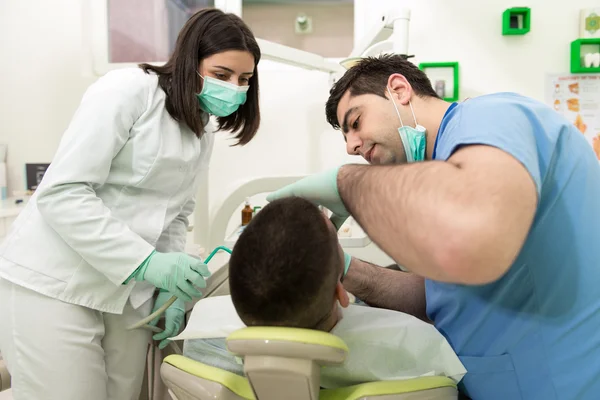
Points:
(153, 387)
(285, 364)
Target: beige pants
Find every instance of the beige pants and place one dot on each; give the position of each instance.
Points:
(60, 351)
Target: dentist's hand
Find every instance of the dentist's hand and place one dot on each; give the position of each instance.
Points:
(173, 318)
(322, 190)
(177, 273)
(347, 261)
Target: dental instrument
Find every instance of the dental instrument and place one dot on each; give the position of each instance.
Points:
(144, 323)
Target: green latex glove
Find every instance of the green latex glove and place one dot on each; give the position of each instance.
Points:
(177, 273)
(322, 190)
(173, 318)
(347, 261)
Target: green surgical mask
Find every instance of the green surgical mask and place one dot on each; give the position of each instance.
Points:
(413, 139)
(221, 98)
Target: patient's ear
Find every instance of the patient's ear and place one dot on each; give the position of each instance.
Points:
(342, 295)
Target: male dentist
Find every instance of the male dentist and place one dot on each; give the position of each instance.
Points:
(493, 205)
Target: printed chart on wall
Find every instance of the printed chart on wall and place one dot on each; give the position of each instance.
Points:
(577, 97)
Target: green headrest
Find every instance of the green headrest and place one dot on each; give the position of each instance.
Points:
(307, 336)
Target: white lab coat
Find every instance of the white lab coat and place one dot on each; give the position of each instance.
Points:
(122, 183)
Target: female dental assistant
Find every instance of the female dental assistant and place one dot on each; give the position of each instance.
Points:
(108, 223)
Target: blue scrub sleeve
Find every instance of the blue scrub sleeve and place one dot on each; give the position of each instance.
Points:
(507, 127)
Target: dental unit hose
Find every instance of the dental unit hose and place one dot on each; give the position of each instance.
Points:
(144, 323)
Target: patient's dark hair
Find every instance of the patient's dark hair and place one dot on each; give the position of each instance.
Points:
(285, 266)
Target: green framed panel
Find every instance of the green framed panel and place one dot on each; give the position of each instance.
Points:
(577, 66)
(449, 64)
(516, 21)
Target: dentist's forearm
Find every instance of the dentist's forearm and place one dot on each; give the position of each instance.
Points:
(386, 288)
(414, 213)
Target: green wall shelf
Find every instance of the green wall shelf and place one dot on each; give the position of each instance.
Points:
(577, 66)
(516, 21)
(451, 64)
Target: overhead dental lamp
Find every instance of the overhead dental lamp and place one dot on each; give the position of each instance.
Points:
(388, 35)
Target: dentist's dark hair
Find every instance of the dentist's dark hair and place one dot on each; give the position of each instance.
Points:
(370, 76)
(207, 32)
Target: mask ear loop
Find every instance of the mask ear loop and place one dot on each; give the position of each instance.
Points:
(413, 113)
(201, 77)
(396, 107)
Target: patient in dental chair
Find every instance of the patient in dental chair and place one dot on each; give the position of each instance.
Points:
(286, 270)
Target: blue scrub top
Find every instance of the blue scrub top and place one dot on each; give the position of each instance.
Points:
(534, 333)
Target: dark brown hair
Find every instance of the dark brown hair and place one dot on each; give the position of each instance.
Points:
(370, 76)
(208, 32)
(285, 266)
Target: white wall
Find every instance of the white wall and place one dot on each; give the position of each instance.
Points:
(41, 78)
(469, 31)
(45, 69)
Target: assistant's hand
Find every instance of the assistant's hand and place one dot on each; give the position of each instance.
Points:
(321, 189)
(173, 318)
(177, 273)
